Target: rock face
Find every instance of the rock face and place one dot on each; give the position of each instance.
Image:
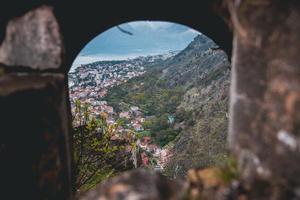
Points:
(203, 69)
(34, 139)
(137, 185)
(265, 95)
(33, 40)
(265, 99)
(35, 148)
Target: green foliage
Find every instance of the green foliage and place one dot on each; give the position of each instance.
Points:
(152, 95)
(122, 121)
(142, 134)
(2, 71)
(229, 170)
(202, 144)
(96, 155)
(164, 136)
(102, 174)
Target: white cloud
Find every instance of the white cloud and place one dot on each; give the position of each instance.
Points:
(152, 24)
(158, 25)
(191, 31)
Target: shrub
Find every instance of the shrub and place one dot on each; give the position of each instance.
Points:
(96, 156)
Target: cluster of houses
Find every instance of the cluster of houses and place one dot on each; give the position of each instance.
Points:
(161, 155)
(105, 74)
(135, 116)
(90, 83)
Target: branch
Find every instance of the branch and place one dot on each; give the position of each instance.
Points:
(124, 31)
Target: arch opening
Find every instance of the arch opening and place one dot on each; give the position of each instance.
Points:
(148, 94)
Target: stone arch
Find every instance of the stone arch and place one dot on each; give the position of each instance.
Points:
(265, 90)
(203, 19)
(82, 22)
(40, 84)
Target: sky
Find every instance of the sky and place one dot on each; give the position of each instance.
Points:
(145, 38)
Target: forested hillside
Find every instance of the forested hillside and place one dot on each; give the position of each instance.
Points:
(184, 100)
(203, 70)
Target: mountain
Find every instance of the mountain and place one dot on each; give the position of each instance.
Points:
(175, 104)
(184, 100)
(204, 71)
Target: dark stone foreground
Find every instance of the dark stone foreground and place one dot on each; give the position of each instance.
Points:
(264, 135)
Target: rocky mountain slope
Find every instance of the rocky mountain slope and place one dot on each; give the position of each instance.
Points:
(177, 104)
(204, 71)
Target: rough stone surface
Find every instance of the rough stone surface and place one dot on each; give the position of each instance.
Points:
(265, 94)
(34, 139)
(265, 104)
(137, 185)
(33, 40)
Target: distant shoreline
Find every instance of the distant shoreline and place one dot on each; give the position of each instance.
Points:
(86, 59)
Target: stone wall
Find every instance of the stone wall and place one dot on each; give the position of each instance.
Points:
(35, 149)
(35, 140)
(265, 94)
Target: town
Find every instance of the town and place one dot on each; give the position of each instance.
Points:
(90, 83)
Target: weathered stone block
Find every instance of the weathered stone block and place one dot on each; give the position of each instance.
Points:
(33, 40)
(35, 149)
(138, 184)
(265, 94)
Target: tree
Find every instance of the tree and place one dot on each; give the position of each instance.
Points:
(96, 155)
